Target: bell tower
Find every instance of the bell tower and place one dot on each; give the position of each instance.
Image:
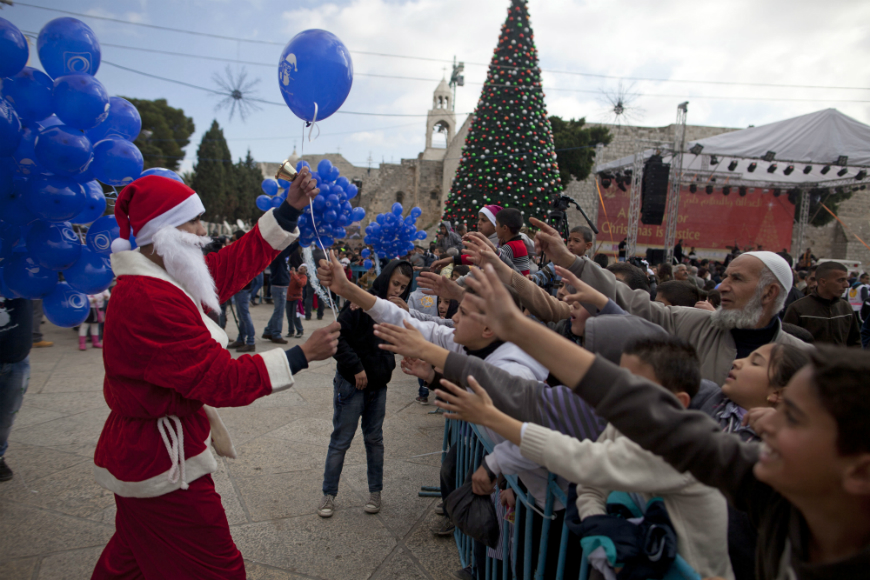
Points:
(440, 123)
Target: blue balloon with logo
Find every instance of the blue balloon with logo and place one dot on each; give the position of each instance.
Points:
(55, 199)
(117, 162)
(23, 276)
(66, 307)
(13, 206)
(25, 155)
(102, 233)
(68, 46)
(162, 172)
(53, 245)
(95, 203)
(80, 101)
(13, 49)
(63, 150)
(29, 91)
(11, 129)
(315, 74)
(91, 273)
(123, 122)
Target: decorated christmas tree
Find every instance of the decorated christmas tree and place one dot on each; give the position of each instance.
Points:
(509, 158)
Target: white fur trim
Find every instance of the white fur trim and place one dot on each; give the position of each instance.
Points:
(489, 215)
(121, 245)
(278, 368)
(220, 436)
(273, 233)
(135, 264)
(194, 468)
(178, 215)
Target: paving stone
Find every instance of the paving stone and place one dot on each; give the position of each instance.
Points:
(77, 433)
(246, 423)
(21, 569)
(71, 491)
(28, 416)
(229, 498)
(28, 531)
(30, 463)
(65, 403)
(255, 571)
(71, 565)
(401, 565)
(437, 555)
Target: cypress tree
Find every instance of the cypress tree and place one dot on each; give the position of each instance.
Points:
(214, 175)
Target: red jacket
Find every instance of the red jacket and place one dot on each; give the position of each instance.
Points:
(297, 283)
(164, 359)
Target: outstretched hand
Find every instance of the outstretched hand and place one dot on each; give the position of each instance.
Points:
(322, 343)
(583, 292)
(302, 189)
(551, 243)
(473, 407)
(482, 252)
(331, 275)
(438, 285)
(418, 368)
(491, 304)
(405, 341)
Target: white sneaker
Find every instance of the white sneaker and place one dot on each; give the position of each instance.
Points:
(373, 506)
(327, 506)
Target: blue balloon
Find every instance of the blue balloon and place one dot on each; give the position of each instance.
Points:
(327, 241)
(264, 202)
(25, 155)
(123, 122)
(160, 171)
(334, 173)
(13, 207)
(7, 176)
(95, 204)
(332, 201)
(302, 163)
(351, 191)
(13, 49)
(10, 235)
(365, 253)
(342, 182)
(381, 218)
(66, 307)
(319, 203)
(5, 292)
(30, 92)
(421, 235)
(416, 212)
(269, 186)
(357, 214)
(68, 46)
(330, 216)
(55, 199)
(53, 245)
(117, 162)
(315, 74)
(51, 121)
(367, 264)
(376, 229)
(102, 233)
(10, 125)
(91, 273)
(63, 151)
(324, 168)
(276, 201)
(339, 232)
(80, 101)
(26, 278)
(397, 209)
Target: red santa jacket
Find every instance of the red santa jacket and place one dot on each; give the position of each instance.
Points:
(164, 359)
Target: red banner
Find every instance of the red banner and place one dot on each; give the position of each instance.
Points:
(710, 223)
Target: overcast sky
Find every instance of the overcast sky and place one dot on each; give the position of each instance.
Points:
(794, 42)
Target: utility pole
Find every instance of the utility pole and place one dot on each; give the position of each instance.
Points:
(457, 79)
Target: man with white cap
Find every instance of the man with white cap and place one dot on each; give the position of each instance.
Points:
(753, 291)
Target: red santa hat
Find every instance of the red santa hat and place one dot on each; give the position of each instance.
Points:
(151, 203)
(489, 211)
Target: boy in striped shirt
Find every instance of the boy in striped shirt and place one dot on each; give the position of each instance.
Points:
(512, 250)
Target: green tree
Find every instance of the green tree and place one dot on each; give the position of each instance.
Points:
(214, 175)
(575, 146)
(509, 157)
(248, 180)
(832, 197)
(165, 133)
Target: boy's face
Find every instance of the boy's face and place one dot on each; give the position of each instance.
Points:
(485, 226)
(579, 316)
(469, 332)
(503, 232)
(454, 275)
(443, 307)
(398, 283)
(748, 383)
(635, 366)
(577, 245)
(799, 456)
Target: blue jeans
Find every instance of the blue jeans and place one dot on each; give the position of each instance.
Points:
(14, 378)
(292, 319)
(279, 295)
(256, 284)
(349, 404)
(243, 311)
(423, 391)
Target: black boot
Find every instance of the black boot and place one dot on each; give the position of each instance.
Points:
(5, 472)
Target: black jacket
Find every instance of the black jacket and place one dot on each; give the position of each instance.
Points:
(280, 276)
(831, 321)
(357, 344)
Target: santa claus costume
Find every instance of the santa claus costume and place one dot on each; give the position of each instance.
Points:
(165, 363)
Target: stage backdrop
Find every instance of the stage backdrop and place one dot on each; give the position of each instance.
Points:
(709, 223)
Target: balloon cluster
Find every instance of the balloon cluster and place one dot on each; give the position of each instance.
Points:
(276, 193)
(330, 212)
(60, 133)
(390, 235)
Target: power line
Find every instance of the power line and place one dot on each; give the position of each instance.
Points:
(380, 54)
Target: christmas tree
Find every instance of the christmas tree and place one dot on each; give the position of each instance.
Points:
(509, 158)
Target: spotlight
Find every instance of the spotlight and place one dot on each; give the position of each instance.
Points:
(861, 175)
(788, 170)
(777, 192)
(714, 160)
(693, 188)
(842, 172)
(769, 156)
(621, 185)
(732, 166)
(752, 167)
(825, 169)
(709, 189)
(792, 196)
(726, 190)
(771, 168)
(696, 149)
(742, 192)
(843, 160)
(605, 183)
(807, 169)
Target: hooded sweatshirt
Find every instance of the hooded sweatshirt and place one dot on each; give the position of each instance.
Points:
(451, 240)
(357, 344)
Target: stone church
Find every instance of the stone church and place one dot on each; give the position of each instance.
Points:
(425, 181)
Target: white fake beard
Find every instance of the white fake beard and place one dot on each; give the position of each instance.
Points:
(748, 317)
(184, 261)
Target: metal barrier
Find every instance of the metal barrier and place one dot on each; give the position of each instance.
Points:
(471, 446)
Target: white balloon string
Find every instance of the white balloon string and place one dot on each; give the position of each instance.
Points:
(313, 125)
(328, 259)
(315, 283)
(377, 263)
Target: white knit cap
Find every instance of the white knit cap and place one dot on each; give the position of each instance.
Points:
(777, 265)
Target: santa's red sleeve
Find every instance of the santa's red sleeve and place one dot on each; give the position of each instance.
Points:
(237, 264)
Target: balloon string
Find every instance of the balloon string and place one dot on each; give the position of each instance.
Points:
(313, 124)
(328, 259)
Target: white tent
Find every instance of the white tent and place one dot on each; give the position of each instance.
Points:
(825, 148)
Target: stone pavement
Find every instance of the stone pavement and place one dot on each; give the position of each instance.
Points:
(55, 520)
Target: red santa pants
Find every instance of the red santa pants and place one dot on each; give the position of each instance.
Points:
(183, 534)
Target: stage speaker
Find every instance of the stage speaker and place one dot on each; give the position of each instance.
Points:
(654, 191)
(654, 256)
